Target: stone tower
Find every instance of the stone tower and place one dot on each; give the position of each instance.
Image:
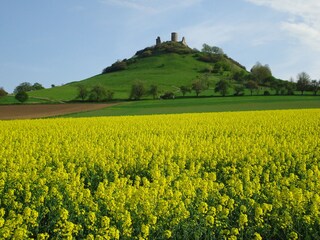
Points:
(158, 41)
(174, 37)
(184, 41)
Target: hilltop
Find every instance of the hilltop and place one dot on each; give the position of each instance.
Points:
(168, 65)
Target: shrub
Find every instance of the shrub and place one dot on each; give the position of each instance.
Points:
(147, 53)
(165, 47)
(154, 90)
(3, 92)
(167, 95)
(22, 96)
(117, 66)
(109, 95)
(266, 93)
(98, 93)
(210, 58)
(82, 92)
(238, 90)
(290, 92)
(137, 90)
(185, 89)
(37, 86)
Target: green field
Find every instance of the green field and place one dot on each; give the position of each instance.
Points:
(213, 104)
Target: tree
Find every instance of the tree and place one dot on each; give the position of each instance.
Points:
(37, 86)
(98, 93)
(239, 76)
(23, 87)
(211, 49)
(269, 80)
(303, 81)
(21, 96)
(251, 85)
(276, 86)
(282, 87)
(222, 87)
(137, 90)
(82, 92)
(197, 87)
(238, 90)
(3, 92)
(27, 87)
(154, 91)
(184, 90)
(289, 87)
(200, 85)
(261, 73)
(109, 95)
(315, 85)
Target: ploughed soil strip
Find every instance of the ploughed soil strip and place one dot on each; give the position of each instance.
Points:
(46, 110)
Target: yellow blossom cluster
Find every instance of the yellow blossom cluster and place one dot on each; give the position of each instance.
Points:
(241, 175)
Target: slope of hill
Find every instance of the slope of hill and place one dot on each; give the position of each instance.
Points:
(169, 66)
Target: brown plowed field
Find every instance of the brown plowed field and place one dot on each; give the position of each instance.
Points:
(45, 110)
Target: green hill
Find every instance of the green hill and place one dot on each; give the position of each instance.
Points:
(168, 66)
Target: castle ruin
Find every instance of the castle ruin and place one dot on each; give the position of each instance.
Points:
(174, 38)
(158, 41)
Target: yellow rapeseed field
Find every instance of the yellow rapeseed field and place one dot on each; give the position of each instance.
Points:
(244, 175)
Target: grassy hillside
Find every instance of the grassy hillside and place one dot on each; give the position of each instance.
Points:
(62, 93)
(170, 66)
(168, 69)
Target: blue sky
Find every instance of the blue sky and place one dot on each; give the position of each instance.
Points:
(59, 41)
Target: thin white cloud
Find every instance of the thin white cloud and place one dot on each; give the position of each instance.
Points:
(303, 20)
(305, 33)
(306, 8)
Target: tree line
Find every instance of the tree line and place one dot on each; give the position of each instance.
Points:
(21, 90)
(259, 77)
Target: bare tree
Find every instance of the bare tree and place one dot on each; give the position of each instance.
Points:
(315, 85)
(154, 91)
(200, 85)
(184, 90)
(82, 92)
(303, 81)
